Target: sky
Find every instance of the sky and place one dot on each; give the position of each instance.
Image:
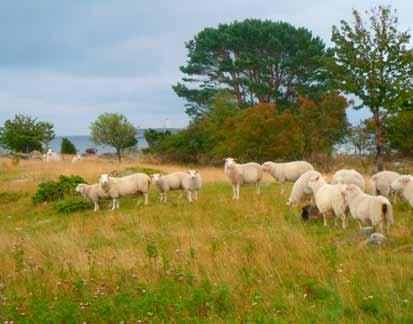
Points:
(68, 61)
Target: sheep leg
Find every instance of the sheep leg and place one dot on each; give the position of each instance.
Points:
(117, 203)
(237, 189)
(325, 219)
(145, 198)
(189, 195)
(381, 227)
(164, 197)
(113, 203)
(234, 192)
(195, 195)
(96, 206)
(343, 222)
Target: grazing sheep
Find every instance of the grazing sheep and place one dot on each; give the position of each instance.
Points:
(134, 184)
(76, 159)
(189, 181)
(380, 183)
(92, 192)
(243, 174)
(348, 176)
(368, 209)
(289, 171)
(329, 198)
(404, 185)
(300, 191)
(52, 156)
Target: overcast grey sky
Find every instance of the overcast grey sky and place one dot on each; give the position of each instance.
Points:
(68, 61)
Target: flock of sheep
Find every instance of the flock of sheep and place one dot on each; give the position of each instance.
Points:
(344, 195)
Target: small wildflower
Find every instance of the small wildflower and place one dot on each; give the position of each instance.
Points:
(405, 301)
(305, 295)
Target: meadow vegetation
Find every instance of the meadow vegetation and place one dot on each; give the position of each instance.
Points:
(216, 260)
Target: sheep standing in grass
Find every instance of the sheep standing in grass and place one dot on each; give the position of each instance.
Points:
(52, 156)
(348, 176)
(380, 183)
(76, 159)
(368, 209)
(243, 174)
(189, 181)
(131, 185)
(404, 185)
(329, 198)
(289, 171)
(92, 192)
(300, 191)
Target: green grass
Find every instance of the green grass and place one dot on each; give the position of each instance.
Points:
(212, 261)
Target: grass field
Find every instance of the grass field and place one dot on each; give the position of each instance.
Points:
(216, 260)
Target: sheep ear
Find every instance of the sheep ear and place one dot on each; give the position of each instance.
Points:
(406, 180)
(196, 171)
(317, 178)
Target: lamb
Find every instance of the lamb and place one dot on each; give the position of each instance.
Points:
(329, 198)
(92, 192)
(190, 182)
(52, 156)
(404, 185)
(134, 184)
(243, 174)
(368, 209)
(289, 171)
(300, 191)
(380, 182)
(348, 176)
(76, 159)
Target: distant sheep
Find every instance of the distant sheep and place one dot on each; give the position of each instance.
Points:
(92, 192)
(190, 182)
(131, 185)
(349, 176)
(329, 198)
(300, 191)
(243, 174)
(404, 186)
(76, 159)
(380, 183)
(51, 156)
(368, 209)
(289, 171)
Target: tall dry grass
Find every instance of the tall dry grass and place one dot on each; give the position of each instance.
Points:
(261, 262)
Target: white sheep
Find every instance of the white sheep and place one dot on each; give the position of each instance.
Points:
(243, 174)
(329, 198)
(289, 171)
(134, 184)
(190, 182)
(92, 192)
(404, 185)
(380, 183)
(52, 156)
(368, 209)
(300, 191)
(348, 176)
(76, 159)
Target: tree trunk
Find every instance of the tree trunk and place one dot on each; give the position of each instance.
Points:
(378, 159)
(119, 155)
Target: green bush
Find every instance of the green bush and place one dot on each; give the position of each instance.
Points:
(56, 190)
(67, 147)
(72, 204)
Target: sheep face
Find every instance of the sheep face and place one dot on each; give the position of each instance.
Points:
(314, 181)
(400, 183)
(155, 177)
(193, 173)
(229, 162)
(104, 181)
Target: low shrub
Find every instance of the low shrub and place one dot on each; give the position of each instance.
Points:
(56, 190)
(71, 205)
(10, 196)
